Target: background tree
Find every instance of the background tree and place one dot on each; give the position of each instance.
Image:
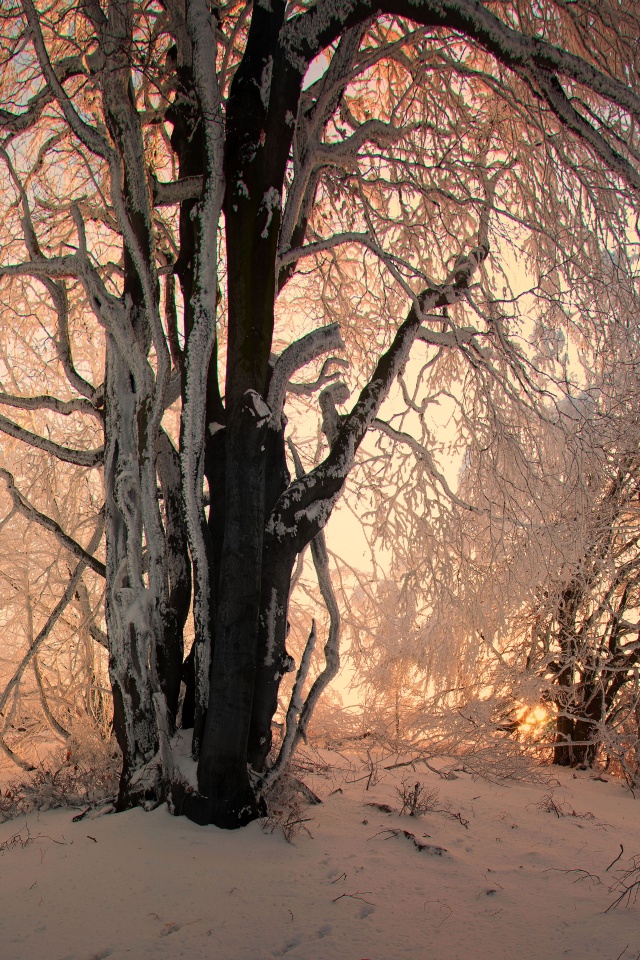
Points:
(549, 571)
(358, 167)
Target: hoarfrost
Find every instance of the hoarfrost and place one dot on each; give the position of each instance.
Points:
(280, 529)
(305, 31)
(265, 83)
(272, 613)
(270, 202)
(242, 189)
(214, 427)
(260, 408)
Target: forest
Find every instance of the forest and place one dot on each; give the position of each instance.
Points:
(319, 389)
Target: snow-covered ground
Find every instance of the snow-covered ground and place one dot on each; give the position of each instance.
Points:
(501, 877)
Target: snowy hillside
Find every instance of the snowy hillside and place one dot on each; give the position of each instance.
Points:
(490, 872)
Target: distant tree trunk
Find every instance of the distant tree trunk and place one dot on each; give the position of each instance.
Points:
(562, 751)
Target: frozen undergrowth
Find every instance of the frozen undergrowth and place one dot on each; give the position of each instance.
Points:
(83, 773)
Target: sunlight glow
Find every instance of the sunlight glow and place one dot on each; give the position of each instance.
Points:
(532, 720)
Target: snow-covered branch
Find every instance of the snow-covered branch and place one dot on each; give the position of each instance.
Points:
(88, 135)
(309, 32)
(201, 26)
(53, 617)
(319, 246)
(23, 506)
(304, 508)
(291, 724)
(58, 292)
(176, 191)
(326, 376)
(108, 309)
(421, 452)
(295, 356)
(16, 123)
(45, 402)
(334, 393)
(454, 337)
(299, 712)
(562, 106)
(81, 458)
(336, 240)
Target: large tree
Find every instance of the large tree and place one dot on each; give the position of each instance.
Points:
(290, 165)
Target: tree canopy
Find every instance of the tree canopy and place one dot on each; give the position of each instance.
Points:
(430, 207)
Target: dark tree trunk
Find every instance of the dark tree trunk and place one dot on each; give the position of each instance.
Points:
(226, 796)
(245, 463)
(563, 747)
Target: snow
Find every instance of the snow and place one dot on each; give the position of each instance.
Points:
(271, 201)
(257, 407)
(147, 885)
(265, 84)
(272, 613)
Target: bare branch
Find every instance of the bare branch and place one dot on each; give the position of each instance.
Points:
(53, 617)
(170, 194)
(27, 510)
(297, 355)
(398, 436)
(81, 458)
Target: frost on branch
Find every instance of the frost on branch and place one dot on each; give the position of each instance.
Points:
(295, 356)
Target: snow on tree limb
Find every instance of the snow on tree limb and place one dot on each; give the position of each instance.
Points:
(54, 616)
(46, 402)
(304, 508)
(81, 458)
(299, 711)
(201, 25)
(168, 194)
(295, 356)
(27, 510)
(326, 375)
(455, 337)
(575, 121)
(422, 453)
(337, 392)
(108, 309)
(332, 646)
(17, 123)
(305, 34)
(87, 134)
(337, 239)
(58, 292)
(293, 713)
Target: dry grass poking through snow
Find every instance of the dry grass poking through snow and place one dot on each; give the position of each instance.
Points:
(83, 773)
